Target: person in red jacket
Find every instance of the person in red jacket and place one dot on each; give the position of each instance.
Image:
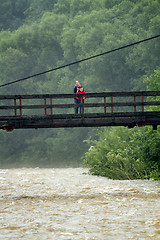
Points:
(81, 100)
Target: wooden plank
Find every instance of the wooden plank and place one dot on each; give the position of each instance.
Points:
(91, 95)
(114, 104)
(83, 120)
(85, 115)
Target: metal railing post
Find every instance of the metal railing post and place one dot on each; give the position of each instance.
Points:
(112, 104)
(82, 105)
(51, 106)
(45, 109)
(20, 104)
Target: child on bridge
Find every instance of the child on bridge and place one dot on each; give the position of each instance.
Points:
(80, 100)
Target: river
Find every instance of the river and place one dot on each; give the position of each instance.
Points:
(70, 204)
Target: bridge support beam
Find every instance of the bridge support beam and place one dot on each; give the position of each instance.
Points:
(81, 120)
(154, 127)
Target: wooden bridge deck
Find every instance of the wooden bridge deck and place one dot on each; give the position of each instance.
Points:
(101, 109)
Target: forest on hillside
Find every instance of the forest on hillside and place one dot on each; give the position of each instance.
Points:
(37, 35)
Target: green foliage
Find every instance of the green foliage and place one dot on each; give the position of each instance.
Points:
(37, 8)
(12, 13)
(42, 148)
(62, 32)
(112, 156)
(146, 144)
(153, 81)
(122, 153)
(153, 84)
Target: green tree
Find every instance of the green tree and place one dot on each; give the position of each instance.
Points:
(12, 13)
(153, 81)
(37, 8)
(112, 156)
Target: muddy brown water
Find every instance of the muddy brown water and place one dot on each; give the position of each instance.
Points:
(71, 204)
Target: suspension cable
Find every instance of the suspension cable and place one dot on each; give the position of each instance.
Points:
(79, 61)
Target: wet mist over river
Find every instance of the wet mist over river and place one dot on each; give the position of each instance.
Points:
(71, 204)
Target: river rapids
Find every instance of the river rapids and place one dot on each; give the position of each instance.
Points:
(70, 204)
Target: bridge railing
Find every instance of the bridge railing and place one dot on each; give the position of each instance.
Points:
(47, 104)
